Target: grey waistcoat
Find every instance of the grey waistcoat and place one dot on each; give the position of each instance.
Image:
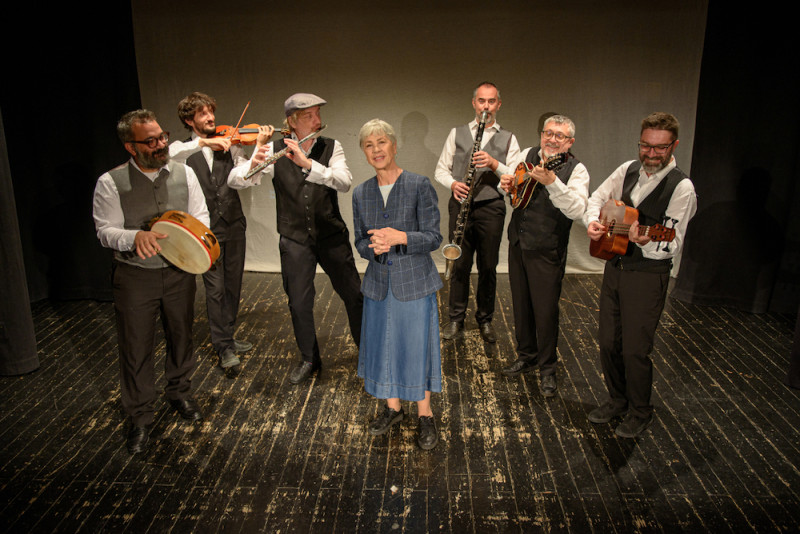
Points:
(143, 200)
(497, 146)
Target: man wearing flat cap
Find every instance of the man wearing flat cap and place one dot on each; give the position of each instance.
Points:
(307, 182)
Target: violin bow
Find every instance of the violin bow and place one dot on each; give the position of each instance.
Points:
(236, 129)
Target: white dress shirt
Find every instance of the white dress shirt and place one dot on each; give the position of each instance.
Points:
(681, 208)
(336, 175)
(444, 168)
(109, 219)
(181, 150)
(571, 197)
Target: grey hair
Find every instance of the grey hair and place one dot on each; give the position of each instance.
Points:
(485, 84)
(376, 127)
(125, 124)
(562, 119)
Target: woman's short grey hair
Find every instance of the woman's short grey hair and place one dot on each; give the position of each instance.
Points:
(376, 127)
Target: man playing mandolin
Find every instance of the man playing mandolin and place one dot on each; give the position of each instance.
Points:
(556, 189)
(635, 282)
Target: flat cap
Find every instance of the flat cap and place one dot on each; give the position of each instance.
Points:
(301, 101)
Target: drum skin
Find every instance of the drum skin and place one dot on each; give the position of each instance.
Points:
(189, 244)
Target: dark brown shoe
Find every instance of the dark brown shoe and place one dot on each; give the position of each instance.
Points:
(428, 436)
(187, 408)
(519, 367)
(606, 412)
(633, 426)
(548, 387)
(386, 420)
(137, 439)
(487, 332)
(303, 371)
(453, 330)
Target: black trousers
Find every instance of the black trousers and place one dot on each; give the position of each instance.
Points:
(298, 267)
(140, 296)
(223, 290)
(535, 278)
(482, 237)
(631, 303)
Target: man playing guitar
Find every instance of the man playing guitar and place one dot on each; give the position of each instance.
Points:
(635, 282)
(538, 235)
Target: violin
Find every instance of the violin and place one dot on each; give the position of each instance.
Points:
(246, 135)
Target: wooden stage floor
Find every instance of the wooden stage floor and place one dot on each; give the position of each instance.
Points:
(723, 454)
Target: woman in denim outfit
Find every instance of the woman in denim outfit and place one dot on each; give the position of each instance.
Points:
(396, 222)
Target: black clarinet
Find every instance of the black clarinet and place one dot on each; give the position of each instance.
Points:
(452, 251)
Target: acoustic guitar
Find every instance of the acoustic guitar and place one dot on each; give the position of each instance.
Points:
(524, 185)
(618, 218)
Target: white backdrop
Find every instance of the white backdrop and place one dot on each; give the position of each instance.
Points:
(414, 64)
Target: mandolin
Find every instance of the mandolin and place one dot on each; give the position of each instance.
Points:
(523, 185)
(617, 218)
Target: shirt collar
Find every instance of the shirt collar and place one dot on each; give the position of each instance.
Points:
(474, 126)
(149, 174)
(656, 176)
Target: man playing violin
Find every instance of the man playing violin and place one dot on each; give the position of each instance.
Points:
(538, 235)
(483, 230)
(635, 283)
(307, 182)
(126, 199)
(213, 158)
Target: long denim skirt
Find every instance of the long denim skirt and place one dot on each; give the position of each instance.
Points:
(400, 354)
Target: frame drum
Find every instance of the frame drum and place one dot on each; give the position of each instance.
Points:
(189, 244)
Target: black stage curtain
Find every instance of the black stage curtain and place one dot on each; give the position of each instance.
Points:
(742, 247)
(60, 103)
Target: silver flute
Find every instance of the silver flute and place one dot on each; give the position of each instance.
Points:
(278, 155)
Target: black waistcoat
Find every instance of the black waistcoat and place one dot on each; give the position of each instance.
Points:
(652, 210)
(542, 226)
(307, 212)
(224, 206)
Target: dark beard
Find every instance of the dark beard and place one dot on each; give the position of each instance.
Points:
(152, 160)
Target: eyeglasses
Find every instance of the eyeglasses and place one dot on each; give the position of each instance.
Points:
(658, 149)
(547, 134)
(152, 142)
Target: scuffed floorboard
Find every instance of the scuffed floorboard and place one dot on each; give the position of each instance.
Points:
(722, 456)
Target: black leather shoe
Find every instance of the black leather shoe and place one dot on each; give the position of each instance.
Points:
(453, 330)
(487, 332)
(633, 426)
(428, 436)
(606, 412)
(303, 371)
(548, 386)
(187, 408)
(519, 367)
(385, 421)
(137, 439)
(240, 345)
